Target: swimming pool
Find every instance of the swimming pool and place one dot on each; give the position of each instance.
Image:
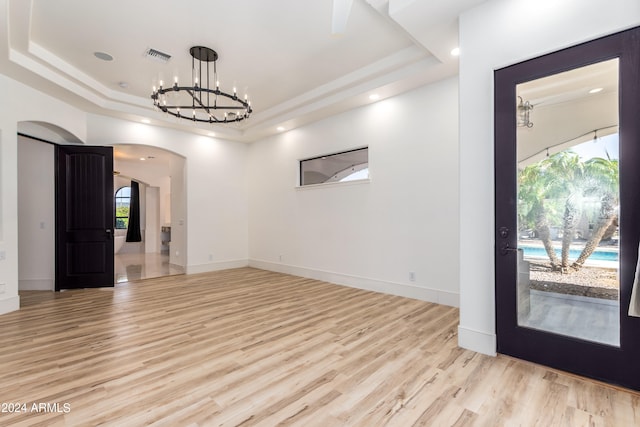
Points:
(597, 255)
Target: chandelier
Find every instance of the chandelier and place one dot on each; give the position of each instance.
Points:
(200, 102)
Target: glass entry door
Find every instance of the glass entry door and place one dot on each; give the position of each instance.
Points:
(568, 201)
(568, 208)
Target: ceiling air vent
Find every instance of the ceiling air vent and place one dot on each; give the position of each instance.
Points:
(158, 56)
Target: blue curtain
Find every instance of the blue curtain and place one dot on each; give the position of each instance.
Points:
(133, 230)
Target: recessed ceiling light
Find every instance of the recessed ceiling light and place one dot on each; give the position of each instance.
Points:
(103, 55)
(596, 90)
(123, 85)
(279, 128)
(147, 121)
(455, 51)
(142, 158)
(374, 96)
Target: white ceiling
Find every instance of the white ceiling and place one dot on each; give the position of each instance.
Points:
(282, 53)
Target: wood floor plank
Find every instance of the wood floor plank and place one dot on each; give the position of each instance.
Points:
(246, 347)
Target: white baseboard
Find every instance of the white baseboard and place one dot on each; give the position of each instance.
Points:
(477, 341)
(400, 289)
(10, 304)
(215, 266)
(36, 285)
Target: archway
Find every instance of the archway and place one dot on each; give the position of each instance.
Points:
(160, 177)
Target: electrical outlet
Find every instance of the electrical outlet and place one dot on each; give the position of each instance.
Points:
(2, 288)
(3, 255)
(177, 253)
(280, 258)
(412, 276)
(210, 257)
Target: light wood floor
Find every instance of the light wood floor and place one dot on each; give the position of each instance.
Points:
(249, 347)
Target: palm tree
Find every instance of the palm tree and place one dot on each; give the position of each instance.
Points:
(534, 187)
(603, 177)
(569, 176)
(566, 178)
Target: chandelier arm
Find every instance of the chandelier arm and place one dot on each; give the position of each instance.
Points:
(199, 101)
(217, 92)
(187, 107)
(213, 119)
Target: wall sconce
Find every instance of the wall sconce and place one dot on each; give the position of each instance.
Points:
(522, 113)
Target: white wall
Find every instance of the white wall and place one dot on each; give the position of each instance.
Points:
(214, 223)
(26, 105)
(152, 219)
(36, 215)
(369, 235)
(178, 248)
(493, 35)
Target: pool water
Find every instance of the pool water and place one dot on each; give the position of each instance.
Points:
(597, 255)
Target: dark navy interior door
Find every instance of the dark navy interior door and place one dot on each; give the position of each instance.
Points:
(84, 217)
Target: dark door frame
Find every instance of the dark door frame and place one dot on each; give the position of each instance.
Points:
(607, 363)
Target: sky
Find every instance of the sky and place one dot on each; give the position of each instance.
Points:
(599, 148)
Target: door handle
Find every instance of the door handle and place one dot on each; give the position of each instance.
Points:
(109, 232)
(505, 249)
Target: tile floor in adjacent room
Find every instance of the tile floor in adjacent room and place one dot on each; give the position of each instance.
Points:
(137, 266)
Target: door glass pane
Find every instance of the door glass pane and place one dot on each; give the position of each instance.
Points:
(568, 203)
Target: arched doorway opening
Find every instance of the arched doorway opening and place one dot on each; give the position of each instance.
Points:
(161, 203)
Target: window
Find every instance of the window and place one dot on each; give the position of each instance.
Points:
(122, 202)
(339, 167)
